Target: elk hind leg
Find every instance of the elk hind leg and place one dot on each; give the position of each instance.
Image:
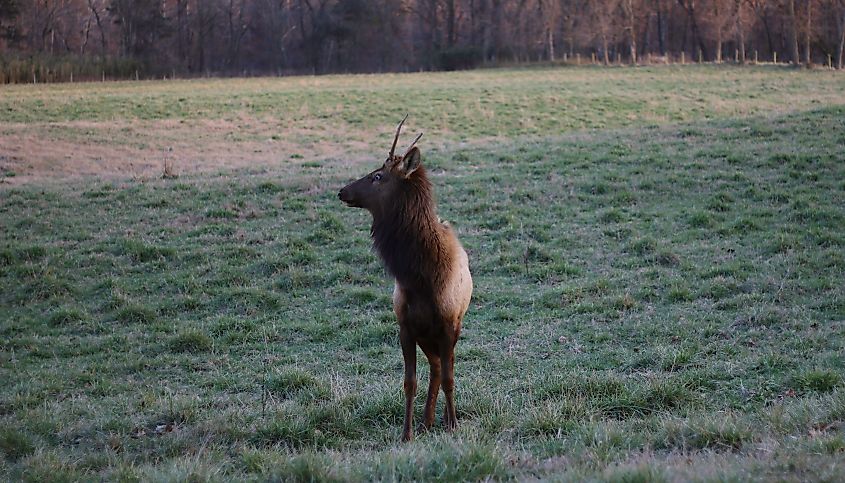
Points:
(447, 367)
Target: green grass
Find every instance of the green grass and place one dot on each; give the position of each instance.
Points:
(654, 300)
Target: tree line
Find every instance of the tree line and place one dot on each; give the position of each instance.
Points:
(250, 37)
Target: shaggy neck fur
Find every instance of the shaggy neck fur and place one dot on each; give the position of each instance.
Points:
(408, 237)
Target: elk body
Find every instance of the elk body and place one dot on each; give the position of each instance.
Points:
(433, 284)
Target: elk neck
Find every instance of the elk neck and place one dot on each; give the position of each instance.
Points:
(408, 236)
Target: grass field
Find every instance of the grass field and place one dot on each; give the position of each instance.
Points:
(657, 253)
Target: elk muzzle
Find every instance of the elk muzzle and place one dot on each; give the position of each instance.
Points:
(345, 195)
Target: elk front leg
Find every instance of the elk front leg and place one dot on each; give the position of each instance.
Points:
(409, 353)
(433, 388)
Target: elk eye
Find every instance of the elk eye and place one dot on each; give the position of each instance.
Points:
(377, 177)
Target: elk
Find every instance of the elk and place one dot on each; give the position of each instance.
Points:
(433, 284)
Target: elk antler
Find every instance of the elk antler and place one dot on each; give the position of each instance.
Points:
(395, 139)
(412, 144)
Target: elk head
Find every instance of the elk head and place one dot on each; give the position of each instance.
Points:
(379, 190)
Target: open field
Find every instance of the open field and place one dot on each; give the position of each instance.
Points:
(103, 129)
(658, 255)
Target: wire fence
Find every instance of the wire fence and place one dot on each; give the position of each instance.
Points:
(48, 69)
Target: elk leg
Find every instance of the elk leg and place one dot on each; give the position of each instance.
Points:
(433, 388)
(409, 353)
(447, 366)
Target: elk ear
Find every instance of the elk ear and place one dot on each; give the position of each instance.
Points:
(411, 161)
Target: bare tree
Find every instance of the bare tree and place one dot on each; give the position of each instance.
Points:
(317, 36)
(742, 9)
(720, 18)
(603, 19)
(39, 22)
(630, 8)
(761, 11)
(689, 7)
(97, 8)
(237, 26)
(793, 31)
(141, 24)
(549, 11)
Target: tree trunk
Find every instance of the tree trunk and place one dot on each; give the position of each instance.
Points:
(497, 28)
(840, 49)
(551, 40)
(473, 24)
(230, 16)
(483, 28)
(643, 44)
(719, 45)
(740, 32)
(702, 48)
(793, 32)
(450, 23)
(689, 7)
(180, 35)
(520, 49)
(632, 34)
(86, 31)
(717, 15)
(764, 18)
(200, 38)
(661, 29)
(808, 60)
(434, 33)
(604, 49)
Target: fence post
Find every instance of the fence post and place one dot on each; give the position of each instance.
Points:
(578, 58)
(775, 54)
(829, 62)
(755, 57)
(104, 76)
(736, 56)
(683, 58)
(700, 56)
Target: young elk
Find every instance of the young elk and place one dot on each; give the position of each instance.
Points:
(431, 270)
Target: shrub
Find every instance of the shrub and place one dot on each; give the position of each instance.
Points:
(14, 444)
(190, 340)
(459, 58)
(65, 316)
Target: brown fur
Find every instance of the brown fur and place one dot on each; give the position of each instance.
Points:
(433, 283)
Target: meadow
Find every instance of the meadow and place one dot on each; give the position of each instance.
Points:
(657, 254)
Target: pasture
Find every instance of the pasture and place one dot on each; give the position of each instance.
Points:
(658, 256)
